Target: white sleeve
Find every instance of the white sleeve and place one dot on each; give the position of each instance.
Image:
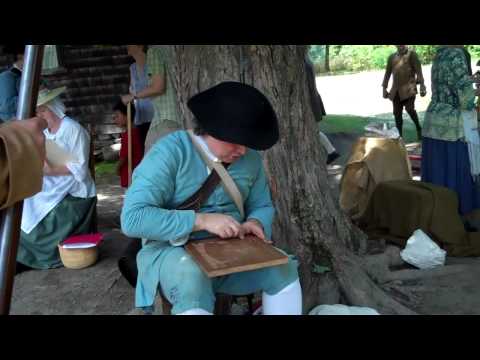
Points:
(80, 147)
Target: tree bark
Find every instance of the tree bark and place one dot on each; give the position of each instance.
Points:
(327, 58)
(309, 222)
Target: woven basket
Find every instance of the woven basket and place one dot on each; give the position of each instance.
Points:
(77, 259)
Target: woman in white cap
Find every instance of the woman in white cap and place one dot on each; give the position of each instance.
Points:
(66, 204)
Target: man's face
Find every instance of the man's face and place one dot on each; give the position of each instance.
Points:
(401, 48)
(119, 119)
(226, 152)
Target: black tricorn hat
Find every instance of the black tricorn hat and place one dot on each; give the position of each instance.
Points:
(237, 113)
(14, 49)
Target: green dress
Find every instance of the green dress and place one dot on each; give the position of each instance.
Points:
(72, 216)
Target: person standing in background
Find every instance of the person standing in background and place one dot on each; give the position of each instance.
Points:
(139, 82)
(406, 69)
(10, 83)
(450, 151)
(162, 93)
(318, 109)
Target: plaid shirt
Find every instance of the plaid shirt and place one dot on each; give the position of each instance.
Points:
(166, 106)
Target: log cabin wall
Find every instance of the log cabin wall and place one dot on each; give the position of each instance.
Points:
(95, 75)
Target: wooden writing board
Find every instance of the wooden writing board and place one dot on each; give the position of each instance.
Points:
(218, 257)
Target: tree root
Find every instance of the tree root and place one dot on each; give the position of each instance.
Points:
(405, 295)
(360, 290)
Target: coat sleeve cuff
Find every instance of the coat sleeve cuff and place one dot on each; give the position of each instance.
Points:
(25, 168)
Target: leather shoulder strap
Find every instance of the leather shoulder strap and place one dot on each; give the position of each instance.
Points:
(229, 185)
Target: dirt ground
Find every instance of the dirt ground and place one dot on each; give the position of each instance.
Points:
(101, 290)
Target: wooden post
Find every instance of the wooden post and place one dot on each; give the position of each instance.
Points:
(130, 147)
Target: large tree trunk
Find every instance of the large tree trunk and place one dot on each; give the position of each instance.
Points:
(309, 221)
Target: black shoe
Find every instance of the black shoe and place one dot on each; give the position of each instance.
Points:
(332, 157)
(128, 263)
(21, 269)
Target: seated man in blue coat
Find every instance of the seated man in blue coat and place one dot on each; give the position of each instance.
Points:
(10, 83)
(234, 121)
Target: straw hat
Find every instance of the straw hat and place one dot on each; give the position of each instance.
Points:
(77, 259)
(47, 95)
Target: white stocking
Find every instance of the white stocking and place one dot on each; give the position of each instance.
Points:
(195, 312)
(286, 302)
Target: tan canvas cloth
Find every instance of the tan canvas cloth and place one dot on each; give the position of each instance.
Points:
(398, 208)
(373, 161)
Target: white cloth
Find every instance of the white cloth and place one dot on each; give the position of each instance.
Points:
(286, 302)
(327, 144)
(207, 150)
(470, 124)
(73, 138)
(57, 107)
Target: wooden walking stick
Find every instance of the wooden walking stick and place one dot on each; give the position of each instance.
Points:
(130, 146)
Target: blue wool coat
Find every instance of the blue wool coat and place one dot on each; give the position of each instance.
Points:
(171, 173)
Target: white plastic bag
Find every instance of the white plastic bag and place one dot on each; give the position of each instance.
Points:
(382, 130)
(422, 252)
(342, 310)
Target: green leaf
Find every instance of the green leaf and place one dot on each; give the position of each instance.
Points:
(317, 269)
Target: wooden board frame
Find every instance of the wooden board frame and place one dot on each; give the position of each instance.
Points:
(221, 257)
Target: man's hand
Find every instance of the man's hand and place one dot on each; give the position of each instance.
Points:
(126, 99)
(35, 128)
(254, 227)
(423, 91)
(223, 226)
(385, 93)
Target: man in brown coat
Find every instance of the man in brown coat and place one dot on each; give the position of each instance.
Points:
(22, 154)
(407, 73)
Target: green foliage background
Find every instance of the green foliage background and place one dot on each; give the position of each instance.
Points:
(354, 58)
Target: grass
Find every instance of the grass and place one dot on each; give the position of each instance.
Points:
(106, 168)
(356, 124)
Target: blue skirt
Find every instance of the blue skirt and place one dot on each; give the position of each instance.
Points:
(446, 163)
